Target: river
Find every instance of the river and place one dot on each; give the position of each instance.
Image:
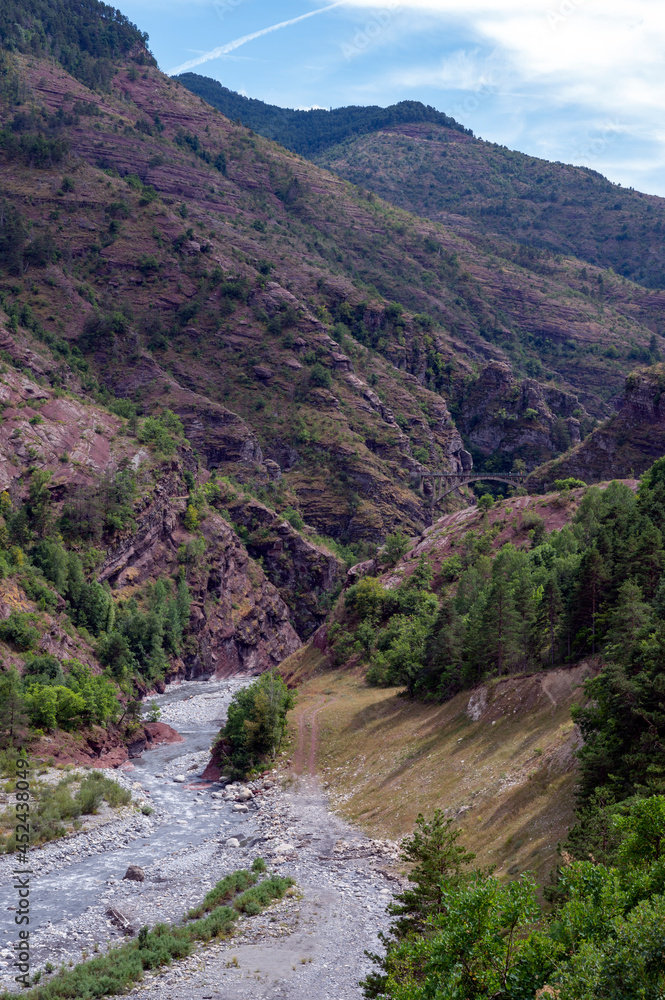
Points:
(311, 944)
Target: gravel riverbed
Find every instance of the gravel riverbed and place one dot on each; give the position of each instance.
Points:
(310, 944)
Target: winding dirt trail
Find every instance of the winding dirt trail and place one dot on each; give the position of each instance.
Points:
(304, 758)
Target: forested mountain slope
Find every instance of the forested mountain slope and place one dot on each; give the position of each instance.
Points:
(482, 187)
(310, 132)
(429, 164)
(493, 602)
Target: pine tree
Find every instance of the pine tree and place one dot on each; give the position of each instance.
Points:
(12, 708)
(549, 614)
(437, 864)
(627, 620)
(500, 621)
(649, 557)
(592, 579)
(443, 673)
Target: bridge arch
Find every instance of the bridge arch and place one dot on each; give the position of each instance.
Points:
(443, 484)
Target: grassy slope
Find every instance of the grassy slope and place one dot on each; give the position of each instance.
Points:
(508, 778)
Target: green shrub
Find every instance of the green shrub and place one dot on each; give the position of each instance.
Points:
(367, 598)
(44, 669)
(225, 890)
(294, 518)
(319, 376)
(256, 722)
(568, 484)
(162, 432)
(395, 547)
(19, 629)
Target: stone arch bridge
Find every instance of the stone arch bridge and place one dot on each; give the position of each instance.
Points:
(443, 483)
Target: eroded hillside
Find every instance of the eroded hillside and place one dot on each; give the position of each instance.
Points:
(314, 340)
(500, 760)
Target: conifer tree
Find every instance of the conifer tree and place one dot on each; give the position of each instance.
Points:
(12, 709)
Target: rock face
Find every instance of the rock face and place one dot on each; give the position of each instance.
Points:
(626, 444)
(75, 441)
(301, 571)
(239, 624)
(501, 415)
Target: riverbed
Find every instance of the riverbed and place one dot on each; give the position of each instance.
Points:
(310, 944)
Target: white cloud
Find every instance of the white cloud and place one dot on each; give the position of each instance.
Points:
(603, 52)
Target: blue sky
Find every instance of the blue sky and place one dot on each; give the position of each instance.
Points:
(580, 81)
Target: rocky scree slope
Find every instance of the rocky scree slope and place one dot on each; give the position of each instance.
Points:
(286, 316)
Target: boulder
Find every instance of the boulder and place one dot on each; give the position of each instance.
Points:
(134, 874)
(233, 842)
(239, 807)
(180, 778)
(273, 470)
(284, 848)
(159, 732)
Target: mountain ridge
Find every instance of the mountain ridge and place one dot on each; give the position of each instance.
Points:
(440, 170)
(308, 132)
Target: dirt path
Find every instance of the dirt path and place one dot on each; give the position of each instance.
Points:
(311, 946)
(304, 758)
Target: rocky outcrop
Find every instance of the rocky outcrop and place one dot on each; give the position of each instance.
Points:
(55, 638)
(77, 442)
(503, 415)
(626, 444)
(239, 623)
(152, 734)
(304, 573)
(218, 434)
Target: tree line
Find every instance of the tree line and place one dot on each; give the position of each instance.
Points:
(460, 933)
(85, 41)
(595, 587)
(308, 132)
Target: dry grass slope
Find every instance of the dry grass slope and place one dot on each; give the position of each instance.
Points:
(501, 761)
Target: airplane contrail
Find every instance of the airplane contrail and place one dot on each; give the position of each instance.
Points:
(223, 50)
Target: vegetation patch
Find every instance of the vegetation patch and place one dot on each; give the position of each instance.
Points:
(56, 809)
(459, 932)
(255, 726)
(153, 948)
